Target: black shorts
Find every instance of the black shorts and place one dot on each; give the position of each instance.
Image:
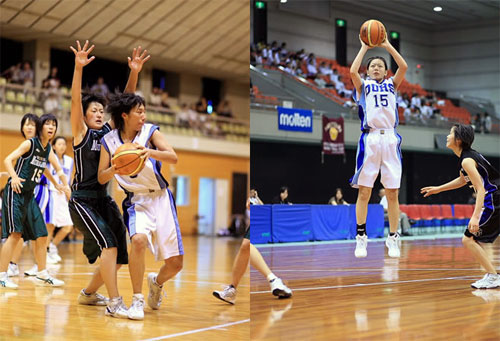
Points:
(489, 223)
(97, 216)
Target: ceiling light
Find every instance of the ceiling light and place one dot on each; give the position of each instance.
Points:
(438, 9)
(283, 1)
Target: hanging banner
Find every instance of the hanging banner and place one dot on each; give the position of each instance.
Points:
(333, 136)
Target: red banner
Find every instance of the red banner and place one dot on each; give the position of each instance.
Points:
(333, 135)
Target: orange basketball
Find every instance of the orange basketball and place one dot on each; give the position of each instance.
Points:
(372, 32)
(127, 160)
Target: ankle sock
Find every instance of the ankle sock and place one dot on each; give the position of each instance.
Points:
(361, 229)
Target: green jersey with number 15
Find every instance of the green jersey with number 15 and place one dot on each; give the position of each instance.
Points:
(31, 165)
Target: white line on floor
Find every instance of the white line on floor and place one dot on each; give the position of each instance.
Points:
(169, 336)
(371, 284)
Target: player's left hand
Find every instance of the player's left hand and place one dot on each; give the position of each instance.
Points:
(473, 225)
(145, 152)
(137, 61)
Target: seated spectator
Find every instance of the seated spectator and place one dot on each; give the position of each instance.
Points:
(312, 72)
(415, 101)
(254, 199)
(100, 87)
(12, 74)
(289, 69)
(403, 223)
(478, 123)
(26, 75)
(427, 111)
(53, 78)
(487, 123)
(338, 199)
(51, 104)
(282, 198)
(164, 99)
(277, 57)
(201, 106)
(284, 51)
(224, 109)
(155, 97)
(258, 58)
(324, 69)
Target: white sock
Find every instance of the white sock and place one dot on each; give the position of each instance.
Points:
(3, 274)
(271, 277)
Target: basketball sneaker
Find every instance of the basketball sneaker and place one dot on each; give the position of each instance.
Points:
(227, 295)
(489, 281)
(51, 259)
(13, 270)
(392, 243)
(136, 310)
(92, 299)
(54, 254)
(361, 244)
(155, 292)
(116, 308)
(44, 279)
(279, 289)
(32, 271)
(5, 282)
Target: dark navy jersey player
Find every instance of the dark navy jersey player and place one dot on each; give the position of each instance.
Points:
(484, 179)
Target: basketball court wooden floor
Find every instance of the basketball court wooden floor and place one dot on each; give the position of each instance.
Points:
(189, 312)
(424, 295)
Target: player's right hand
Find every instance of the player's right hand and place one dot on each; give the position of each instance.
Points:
(430, 190)
(16, 184)
(82, 54)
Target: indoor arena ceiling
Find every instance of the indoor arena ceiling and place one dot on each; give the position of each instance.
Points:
(420, 13)
(208, 37)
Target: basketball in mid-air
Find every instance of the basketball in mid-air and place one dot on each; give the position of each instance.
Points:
(372, 32)
(127, 160)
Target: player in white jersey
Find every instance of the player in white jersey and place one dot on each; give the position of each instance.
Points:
(379, 148)
(149, 210)
(57, 211)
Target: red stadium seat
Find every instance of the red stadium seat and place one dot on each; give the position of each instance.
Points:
(413, 212)
(446, 211)
(460, 212)
(425, 211)
(436, 212)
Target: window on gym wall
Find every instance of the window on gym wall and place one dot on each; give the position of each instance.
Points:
(181, 190)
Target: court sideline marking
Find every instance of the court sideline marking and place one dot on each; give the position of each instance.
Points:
(371, 284)
(169, 336)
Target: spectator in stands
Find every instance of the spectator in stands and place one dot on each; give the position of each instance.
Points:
(478, 124)
(277, 57)
(53, 78)
(289, 69)
(254, 199)
(258, 58)
(51, 104)
(407, 114)
(415, 101)
(201, 106)
(26, 75)
(312, 58)
(155, 97)
(404, 223)
(312, 71)
(224, 109)
(12, 74)
(338, 198)
(44, 93)
(301, 54)
(100, 87)
(487, 124)
(427, 111)
(284, 51)
(324, 69)
(282, 198)
(164, 99)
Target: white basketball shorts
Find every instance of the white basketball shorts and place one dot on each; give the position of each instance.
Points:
(57, 211)
(155, 215)
(378, 150)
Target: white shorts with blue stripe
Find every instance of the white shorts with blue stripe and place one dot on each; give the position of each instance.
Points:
(379, 150)
(155, 215)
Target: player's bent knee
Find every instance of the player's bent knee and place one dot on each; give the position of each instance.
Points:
(245, 245)
(67, 229)
(139, 242)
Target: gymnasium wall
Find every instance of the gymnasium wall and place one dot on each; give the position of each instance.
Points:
(460, 59)
(191, 164)
(466, 60)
